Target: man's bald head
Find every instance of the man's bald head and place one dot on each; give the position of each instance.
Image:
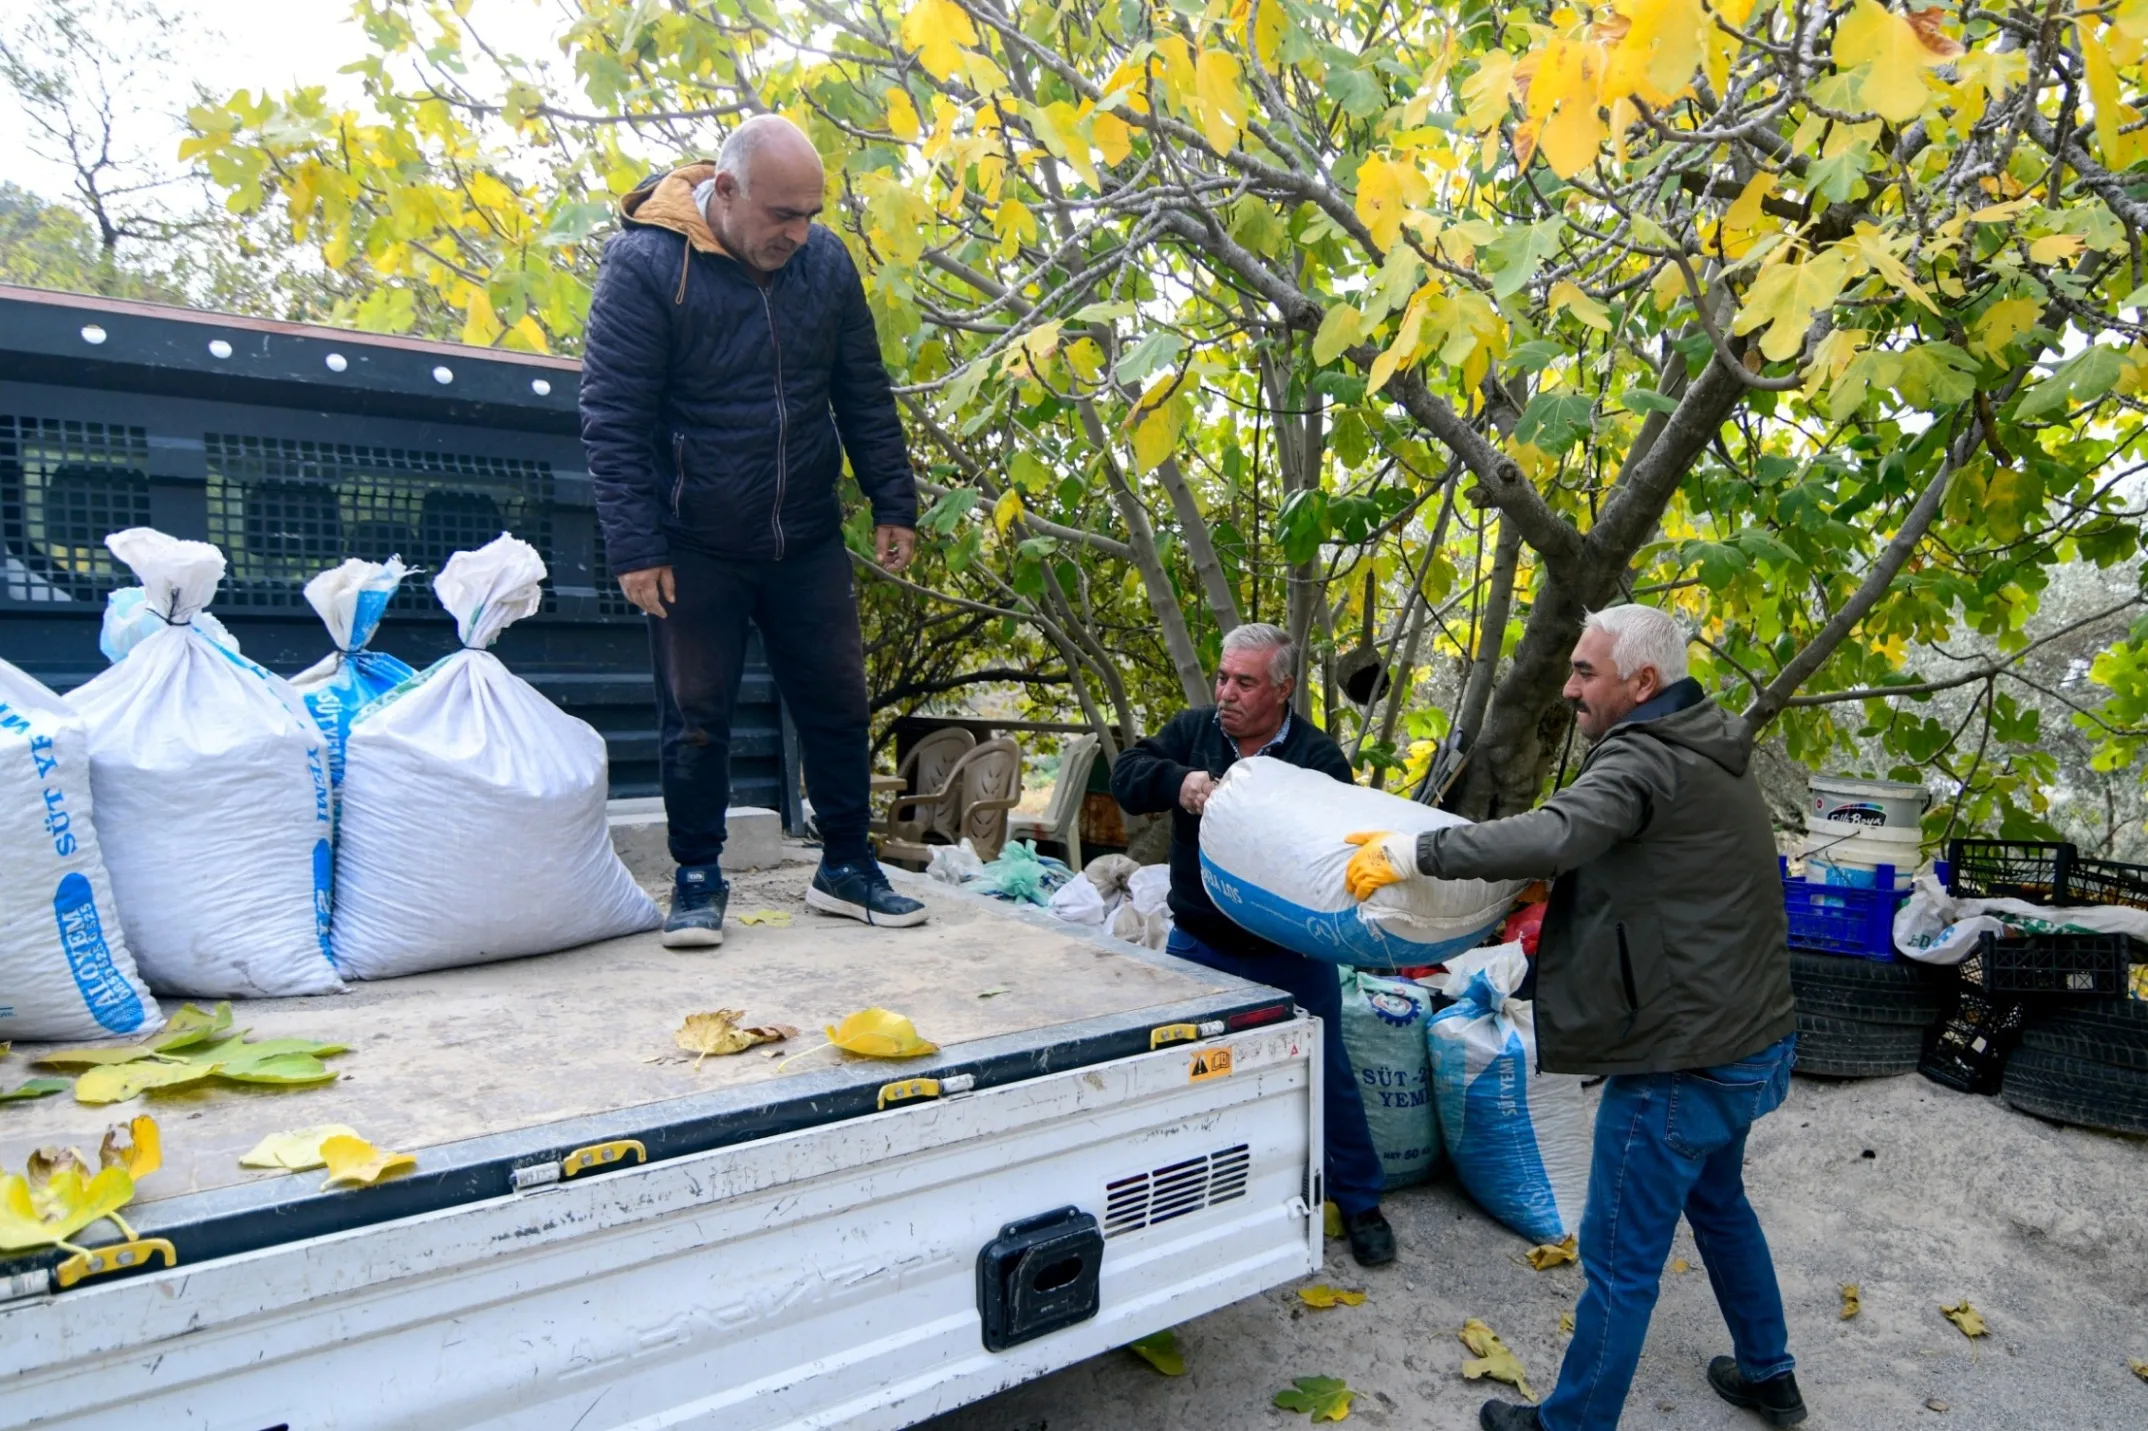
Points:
(768, 188)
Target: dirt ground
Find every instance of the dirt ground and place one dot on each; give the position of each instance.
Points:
(1919, 1195)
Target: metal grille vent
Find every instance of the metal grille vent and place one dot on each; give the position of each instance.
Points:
(283, 510)
(63, 486)
(1145, 1199)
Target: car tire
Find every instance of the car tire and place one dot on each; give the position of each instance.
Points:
(1851, 1048)
(1870, 991)
(2113, 1031)
(2077, 1091)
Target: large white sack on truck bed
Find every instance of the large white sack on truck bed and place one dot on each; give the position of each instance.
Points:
(65, 972)
(350, 600)
(212, 798)
(473, 820)
(1272, 858)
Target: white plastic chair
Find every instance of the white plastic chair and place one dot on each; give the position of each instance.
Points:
(1061, 821)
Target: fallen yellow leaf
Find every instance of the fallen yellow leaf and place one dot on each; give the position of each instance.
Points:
(1967, 1318)
(2139, 1367)
(880, 1033)
(1566, 1323)
(773, 918)
(1555, 1254)
(1680, 1266)
(116, 1083)
(1850, 1307)
(353, 1162)
(297, 1149)
(719, 1033)
(137, 1146)
(1331, 1219)
(1320, 1294)
(1492, 1358)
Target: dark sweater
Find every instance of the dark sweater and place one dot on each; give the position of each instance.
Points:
(1146, 781)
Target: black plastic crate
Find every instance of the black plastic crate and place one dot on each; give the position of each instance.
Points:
(2092, 881)
(1968, 1049)
(2077, 965)
(1840, 919)
(2010, 869)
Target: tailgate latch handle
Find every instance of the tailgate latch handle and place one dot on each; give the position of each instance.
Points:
(97, 1260)
(903, 1090)
(602, 1155)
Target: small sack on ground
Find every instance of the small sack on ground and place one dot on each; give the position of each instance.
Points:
(1520, 1140)
(1384, 1029)
(473, 824)
(213, 801)
(65, 972)
(1273, 855)
(350, 599)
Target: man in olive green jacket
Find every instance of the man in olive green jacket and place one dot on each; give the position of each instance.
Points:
(1663, 963)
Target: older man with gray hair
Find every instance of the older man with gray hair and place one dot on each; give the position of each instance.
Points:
(1176, 769)
(730, 368)
(1664, 963)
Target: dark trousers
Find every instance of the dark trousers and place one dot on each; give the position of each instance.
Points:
(807, 611)
(1353, 1167)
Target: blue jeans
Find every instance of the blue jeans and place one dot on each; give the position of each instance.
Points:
(1353, 1165)
(1671, 1143)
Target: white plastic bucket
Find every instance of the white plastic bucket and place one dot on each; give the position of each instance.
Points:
(1843, 854)
(1868, 802)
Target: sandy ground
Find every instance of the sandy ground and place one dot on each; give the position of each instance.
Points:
(1919, 1195)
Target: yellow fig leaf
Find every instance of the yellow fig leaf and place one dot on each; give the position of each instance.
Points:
(1223, 101)
(1492, 1358)
(2001, 324)
(137, 1146)
(1892, 54)
(1113, 137)
(1555, 1254)
(2055, 248)
(353, 1162)
(296, 1149)
(719, 1033)
(1967, 1318)
(1158, 426)
(1339, 328)
(1660, 49)
(880, 1033)
(1784, 297)
(937, 30)
(60, 1209)
(1005, 510)
(1850, 1303)
(116, 1083)
(2102, 77)
(1386, 190)
(902, 115)
(1566, 296)
(1321, 1295)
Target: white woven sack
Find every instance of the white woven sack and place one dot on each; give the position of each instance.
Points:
(473, 808)
(1273, 855)
(212, 798)
(65, 972)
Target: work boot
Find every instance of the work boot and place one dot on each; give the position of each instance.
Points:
(1776, 1399)
(1508, 1416)
(698, 896)
(859, 889)
(1372, 1241)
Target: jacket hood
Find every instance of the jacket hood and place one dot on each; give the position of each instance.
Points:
(1696, 724)
(666, 201)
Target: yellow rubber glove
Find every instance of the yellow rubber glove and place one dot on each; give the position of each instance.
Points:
(1383, 858)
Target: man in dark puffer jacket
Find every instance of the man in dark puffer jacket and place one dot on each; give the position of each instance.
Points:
(730, 366)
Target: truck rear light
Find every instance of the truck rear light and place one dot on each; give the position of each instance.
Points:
(1254, 1018)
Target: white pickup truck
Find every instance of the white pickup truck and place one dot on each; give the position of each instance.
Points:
(603, 1233)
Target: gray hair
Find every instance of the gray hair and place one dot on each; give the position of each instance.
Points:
(1642, 636)
(1261, 636)
(742, 143)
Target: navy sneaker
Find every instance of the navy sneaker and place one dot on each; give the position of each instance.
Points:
(698, 896)
(860, 890)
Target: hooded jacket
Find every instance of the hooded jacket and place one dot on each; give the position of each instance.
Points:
(1664, 944)
(717, 409)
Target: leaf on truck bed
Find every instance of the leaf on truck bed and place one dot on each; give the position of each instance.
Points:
(1161, 1350)
(1492, 1358)
(1555, 1254)
(1326, 1397)
(1321, 1295)
(191, 1027)
(353, 1162)
(137, 1146)
(296, 1149)
(33, 1088)
(118, 1082)
(880, 1033)
(719, 1033)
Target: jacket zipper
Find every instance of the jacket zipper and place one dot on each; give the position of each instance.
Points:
(783, 428)
(1625, 974)
(678, 466)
